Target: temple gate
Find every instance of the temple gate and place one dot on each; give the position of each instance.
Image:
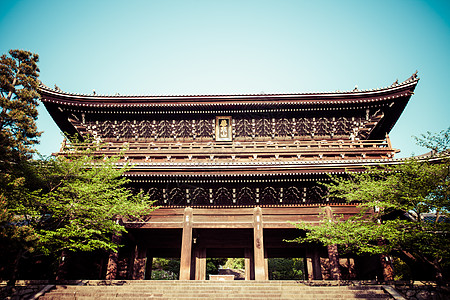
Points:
(230, 171)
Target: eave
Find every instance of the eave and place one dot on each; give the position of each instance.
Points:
(257, 169)
(397, 90)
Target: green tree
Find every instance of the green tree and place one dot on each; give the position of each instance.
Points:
(394, 202)
(18, 133)
(18, 106)
(235, 263)
(85, 196)
(213, 265)
(286, 269)
(165, 269)
(74, 202)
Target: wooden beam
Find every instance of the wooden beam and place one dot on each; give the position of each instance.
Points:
(222, 225)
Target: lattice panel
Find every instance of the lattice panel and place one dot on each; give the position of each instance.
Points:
(164, 129)
(204, 129)
(242, 196)
(283, 127)
(184, 129)
(243, 127)
(303, 127)
(264, 128)
(256, 128)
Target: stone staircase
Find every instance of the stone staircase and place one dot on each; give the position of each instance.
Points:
(100, 290)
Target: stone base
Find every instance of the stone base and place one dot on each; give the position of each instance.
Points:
(221, 277)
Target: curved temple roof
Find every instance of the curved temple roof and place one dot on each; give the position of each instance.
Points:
(388, 103)
(396, 90)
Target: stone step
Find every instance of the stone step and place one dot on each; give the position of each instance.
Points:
(214, 290)
(242, 296)
(65, 297)
(101, 290)
(200, 291)
(227, 286)
(209, 282)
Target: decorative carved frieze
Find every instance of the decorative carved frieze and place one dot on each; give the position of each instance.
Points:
(246, 195)
(242, 128)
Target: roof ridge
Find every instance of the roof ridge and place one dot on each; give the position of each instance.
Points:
(412, 79)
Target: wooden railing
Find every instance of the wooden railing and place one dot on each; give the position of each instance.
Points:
(245, 150)
(245, 146)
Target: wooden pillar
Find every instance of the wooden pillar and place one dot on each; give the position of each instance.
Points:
(258, 245)
(140, 259)
(249, 265)
(149, 266)
(309, 268)
(266, 266)
(113, 259)
(200, 263)
(333, 255)
(313, 264)
(317, 269)
(186, 245)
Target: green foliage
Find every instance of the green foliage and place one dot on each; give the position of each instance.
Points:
(165, 269)
(235, 263)
(18, 133)
(73, 202)
(438, 143)
(393, 200)
(18, 106)
(67, 203)
(286, 269)
(401, 269)
(83, 198)
(213, 265)
(163, 275)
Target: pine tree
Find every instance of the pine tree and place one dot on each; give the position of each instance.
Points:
(18, 133)
(18, 107)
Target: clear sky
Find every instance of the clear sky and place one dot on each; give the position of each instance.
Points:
(234, 47)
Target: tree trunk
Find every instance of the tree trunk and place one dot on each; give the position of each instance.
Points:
(425, 266)
(13, 83)
(388, 270)
(62, 267)
(15, 269)
(439, 274)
